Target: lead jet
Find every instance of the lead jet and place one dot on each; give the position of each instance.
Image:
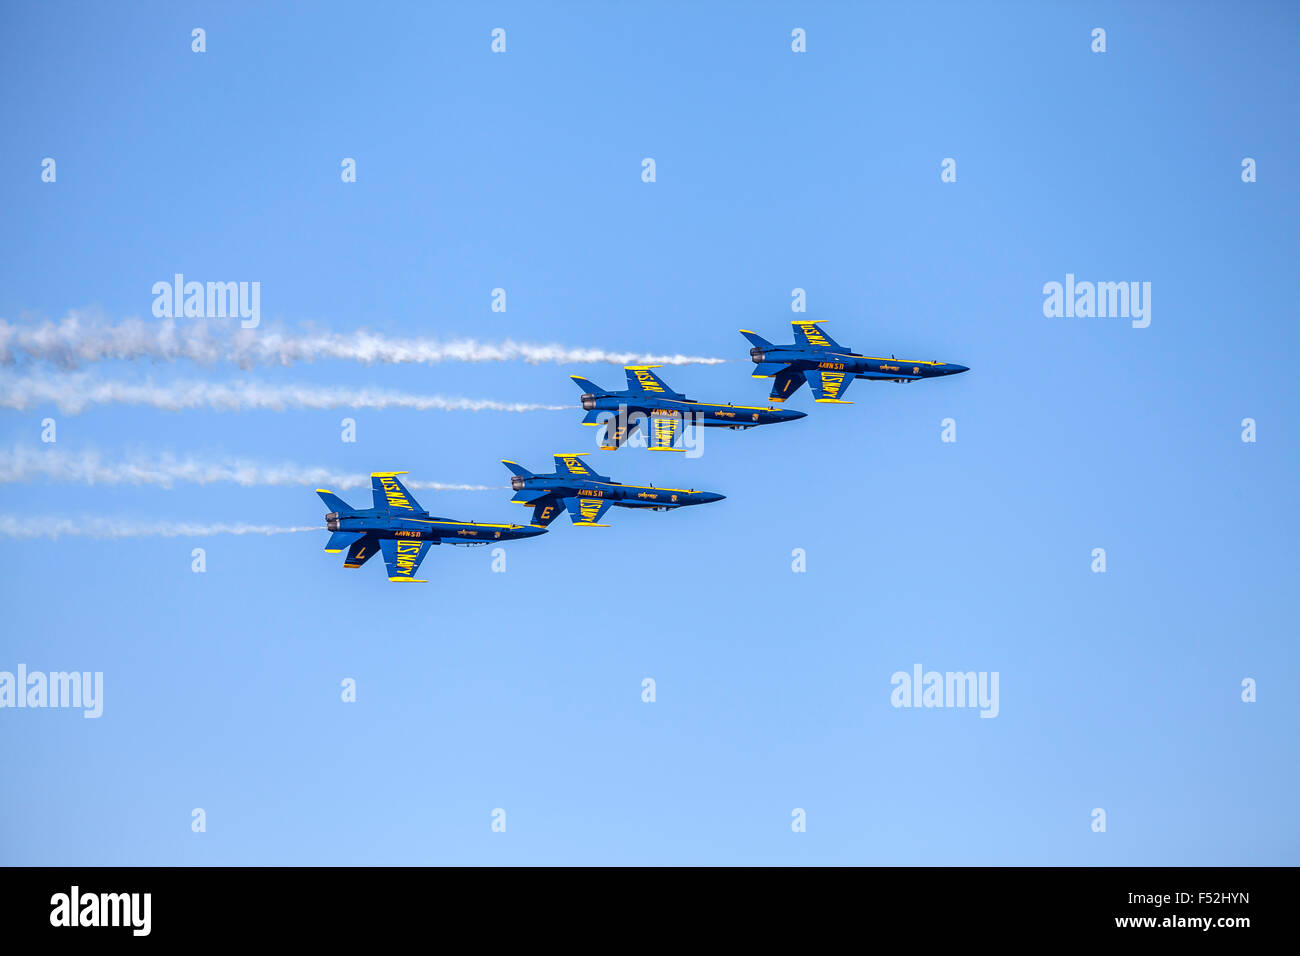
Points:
(828, 367)
(648, 397)
(575, 487)
(401, 529)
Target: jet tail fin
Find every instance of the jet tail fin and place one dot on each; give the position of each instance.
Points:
(333, 502)
(545, 510)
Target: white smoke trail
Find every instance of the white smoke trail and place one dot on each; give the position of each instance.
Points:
(79, 339)
(23, 463)
(75, 393)
(12, 527)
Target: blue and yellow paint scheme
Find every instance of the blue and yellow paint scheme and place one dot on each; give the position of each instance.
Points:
(575, 487)
(401, 530)
(649, 399)
(828, 367)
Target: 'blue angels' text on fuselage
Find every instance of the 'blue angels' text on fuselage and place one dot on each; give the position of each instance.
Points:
(575, 487)
(650, 402)
(399, 528)
(828, 367)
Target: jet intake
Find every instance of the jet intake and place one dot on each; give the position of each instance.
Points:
(588, 402)
(332, 521)
(516, 483)
(757, 356)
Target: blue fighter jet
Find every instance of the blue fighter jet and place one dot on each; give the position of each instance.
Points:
(401, 529)
(587, 496)
(828, 367)
(649, 398)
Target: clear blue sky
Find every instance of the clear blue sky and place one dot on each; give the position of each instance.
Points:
(775, 170)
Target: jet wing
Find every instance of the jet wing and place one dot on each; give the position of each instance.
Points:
(617, 431)
(391, 494)
(574, 465)
(812, 335)
(665, 426)
(586, 512)
(828, 386)
(362, 550)
(403, 558)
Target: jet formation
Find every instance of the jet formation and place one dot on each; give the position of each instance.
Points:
(403, 531)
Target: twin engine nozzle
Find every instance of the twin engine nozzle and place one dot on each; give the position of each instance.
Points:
(757, 355)
(588, 401)
(332, 521)
(516, 483)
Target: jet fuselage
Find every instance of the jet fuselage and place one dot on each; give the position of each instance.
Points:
(851, 363)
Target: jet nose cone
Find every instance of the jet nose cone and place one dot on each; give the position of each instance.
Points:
(790, 415)
(531, 532)
(707, 497)
(954, 369)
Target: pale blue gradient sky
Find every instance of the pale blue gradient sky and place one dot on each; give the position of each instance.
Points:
(522, 690)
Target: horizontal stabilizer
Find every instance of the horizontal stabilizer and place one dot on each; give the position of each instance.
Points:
(768, 369)
(333, 502)
(587, 385)
(757, 340)
(517, 468)
(529, 496)
(342, 540)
